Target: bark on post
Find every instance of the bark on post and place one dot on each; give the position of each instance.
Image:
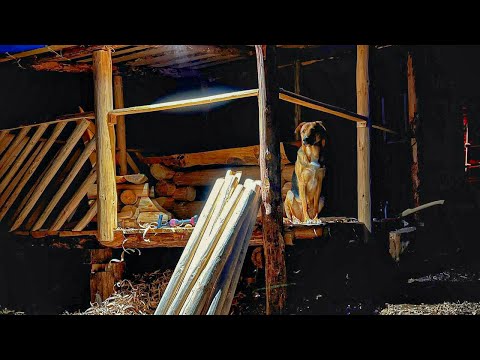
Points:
(274, 246)
(363, 139)
(121, 130)
(412, 120)
(298, 109)
(106, 186)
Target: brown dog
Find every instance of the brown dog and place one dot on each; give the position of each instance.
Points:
(304, 202)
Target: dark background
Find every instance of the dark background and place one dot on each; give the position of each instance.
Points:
(31, 278)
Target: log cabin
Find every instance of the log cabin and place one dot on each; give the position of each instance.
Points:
(65, 180)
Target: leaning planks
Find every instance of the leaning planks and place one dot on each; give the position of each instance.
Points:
(225, 220)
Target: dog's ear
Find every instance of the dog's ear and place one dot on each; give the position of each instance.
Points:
(299, 127)
(321, 125)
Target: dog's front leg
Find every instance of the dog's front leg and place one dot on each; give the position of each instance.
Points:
(302, 188)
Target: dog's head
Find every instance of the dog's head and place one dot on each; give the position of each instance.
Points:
(312, 133)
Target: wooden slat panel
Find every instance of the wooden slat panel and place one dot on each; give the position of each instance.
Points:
(74, 201)
(26, 151)
(66, 149)
(13, 146)
(11, 159)
(46, 147)
(3, 134)
(65, 184)
(87, 218)
(19, 175)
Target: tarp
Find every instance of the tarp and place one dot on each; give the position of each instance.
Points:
(12, 49)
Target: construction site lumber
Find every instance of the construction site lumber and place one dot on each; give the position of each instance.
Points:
(161, 172)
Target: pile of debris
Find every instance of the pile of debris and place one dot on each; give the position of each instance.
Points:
(139, 296)
(446, 308)
(5, 311)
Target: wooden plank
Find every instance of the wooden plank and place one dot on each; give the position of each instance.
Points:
(62, 67)
(223, 60)
(412, 120)
(6, 141)
(3, 135)
(117, 53)
(160, 61)
(87, 217)
(55, 184)
(63, 118)
(31, 170)
(317, 105)
(121, 130)
(154, 50)
(65, 184)
(272, 222)
(34, 52)
(132, 164)
(197, 63)
(12, 149)
(52, 170)
(26, 151)
(184, 103)
(74, 201)
(18, 150)
(76, 53)
(247, 155)
(107, 195)
(13, 184)
(363, 139)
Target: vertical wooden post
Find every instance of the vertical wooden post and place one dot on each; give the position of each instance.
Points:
(412, 120)
(106, 186)
(298, 108)
(269, 159)
(363, 139)
(121, 130)
(103, 274)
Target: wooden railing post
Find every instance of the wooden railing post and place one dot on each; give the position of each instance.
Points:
(363, 139)
(269, 160)
(121, 131)
(106, 186)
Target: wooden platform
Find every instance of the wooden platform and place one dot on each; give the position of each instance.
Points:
(167, 237)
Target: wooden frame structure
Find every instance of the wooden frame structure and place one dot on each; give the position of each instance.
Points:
(273, 236)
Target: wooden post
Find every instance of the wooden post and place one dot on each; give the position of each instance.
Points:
(363, 139)
(121, 131)
(106, 185)
(103, 274)
(298, 109)
(269, 160)
(412, 120)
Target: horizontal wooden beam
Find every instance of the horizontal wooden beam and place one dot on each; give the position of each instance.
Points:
(35, 52)
(63, 118)
(184, 103)
(317, 105)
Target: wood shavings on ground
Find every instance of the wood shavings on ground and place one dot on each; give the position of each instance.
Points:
(450, 276)
(446, 308)
(139, 296)
(5, 311)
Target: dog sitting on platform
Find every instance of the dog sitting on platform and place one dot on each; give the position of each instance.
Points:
(304, 201)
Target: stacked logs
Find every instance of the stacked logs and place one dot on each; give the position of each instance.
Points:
(179, 191)
(207, 274)
(137, 203)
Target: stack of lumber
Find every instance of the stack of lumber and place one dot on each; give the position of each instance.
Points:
(137, 203)
(177, 190)
(206, 276)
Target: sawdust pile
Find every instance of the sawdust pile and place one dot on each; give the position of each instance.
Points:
(139, 296)
(5, 311)
(446, 308)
